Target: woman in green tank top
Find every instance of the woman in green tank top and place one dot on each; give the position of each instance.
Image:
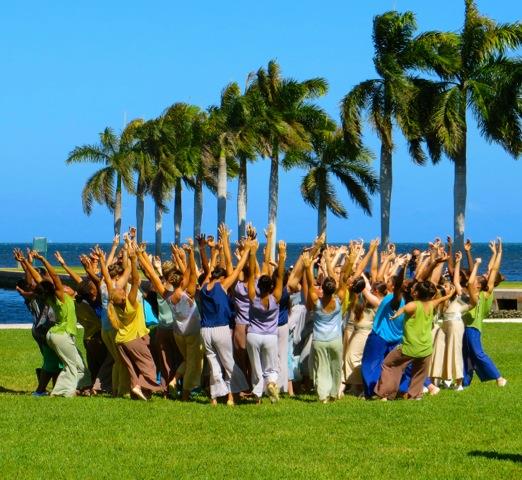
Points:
(417, 344)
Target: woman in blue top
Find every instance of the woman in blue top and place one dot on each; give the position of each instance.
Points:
(327, 334)
(226, 378)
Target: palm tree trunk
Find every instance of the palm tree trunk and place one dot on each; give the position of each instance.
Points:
(178, 214)
(222, 190)
(459, 197)
(117, 206)
(158, 224)
(273, 195)
(242, 197)
(321, 216)
(386, 180)
(198, 206)
(140, 209)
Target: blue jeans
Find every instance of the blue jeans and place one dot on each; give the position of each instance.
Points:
(475, 359)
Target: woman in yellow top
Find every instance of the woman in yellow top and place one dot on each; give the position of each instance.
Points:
(132, 336)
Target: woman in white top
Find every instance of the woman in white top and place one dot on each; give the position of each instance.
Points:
(447, 361)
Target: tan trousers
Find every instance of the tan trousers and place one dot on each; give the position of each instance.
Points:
(392, 369)
(120, 375)
(453, 362)
(138, 360)
(191, 348)
(437, 357)
(353, 357)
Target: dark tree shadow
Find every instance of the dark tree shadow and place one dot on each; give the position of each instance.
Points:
(13, 392)
(512, 457)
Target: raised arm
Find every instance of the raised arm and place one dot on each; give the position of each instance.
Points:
(114, 247)
(266, 268)
(364, 262)
(202, 246)
(449, 249)
(224, 233)
(58, 285)
(312, 296)
(374, 267)
(278, 289)
(26, 265)
(473, 293)
(149, 271)
(467, 248)
(231, 279)
(105, 273)
(135, 276)
(193, 277)
(408, 309)
(456, 273)
(495, 269)
(251, 246)
(74, 276)
(442, 299)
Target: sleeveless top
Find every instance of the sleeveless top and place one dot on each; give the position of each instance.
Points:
(366, 321)
(455, 309)
(389, 330)
(263, 320)
(284, 307)
(242, 303)
(474, 317)
(215, 306)
(165, 319)
(185, 314)
(327, 325)
(417, 341)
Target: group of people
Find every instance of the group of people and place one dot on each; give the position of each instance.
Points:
(239, 325)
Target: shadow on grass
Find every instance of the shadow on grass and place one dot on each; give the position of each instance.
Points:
(13, 392)
(512, 457)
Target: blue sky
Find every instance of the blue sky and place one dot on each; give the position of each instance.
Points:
(69, 69)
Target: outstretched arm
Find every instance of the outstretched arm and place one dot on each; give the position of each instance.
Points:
(74, 276)
(135, 276)
(231, 279)
(312, 296)
(473, 293)
(278, 290)
(114, 247)
(456, 273)
(149, 272)
(364, 262)
(58, 285)
(27, 265)
(496, 268)
(254, 245)
(193, 277)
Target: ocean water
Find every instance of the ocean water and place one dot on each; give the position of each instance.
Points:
(13, 310)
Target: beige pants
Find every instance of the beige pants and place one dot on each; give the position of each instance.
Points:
(191, 348)
(437, 357)
(353, 357)
(453, 362)
(120, 375)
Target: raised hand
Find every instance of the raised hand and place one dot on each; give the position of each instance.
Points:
(59, 258)
(478, 261)
(132, 232)
(211, 242)
(201, 239)
(116, 239)
(467, 245)
(458, 256)
(36, 255)
(18, 255)
(307, 259)
(449, 240)
(282, 248)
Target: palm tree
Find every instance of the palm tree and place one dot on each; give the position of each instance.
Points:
(287, 114)
(155, 137)
(477, 75)
(390, 97)
(333, 157)
(224, 135)
(105, 186)
(185, 151)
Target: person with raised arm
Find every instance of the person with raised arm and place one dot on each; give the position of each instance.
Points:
(242, 307)
(417, 344)
(226, 378)
(327, 332)
(43, 319)
(125, 313)
(62, 336)
(475, 359)
(262, 329)
(180, 298)
(447, 347)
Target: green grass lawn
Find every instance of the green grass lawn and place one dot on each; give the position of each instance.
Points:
(473, 434)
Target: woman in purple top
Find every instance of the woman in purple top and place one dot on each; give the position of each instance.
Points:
(262, 331)
(242, 319)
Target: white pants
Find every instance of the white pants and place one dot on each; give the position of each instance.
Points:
(282, 354)
(262, 352)
(225, 374)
